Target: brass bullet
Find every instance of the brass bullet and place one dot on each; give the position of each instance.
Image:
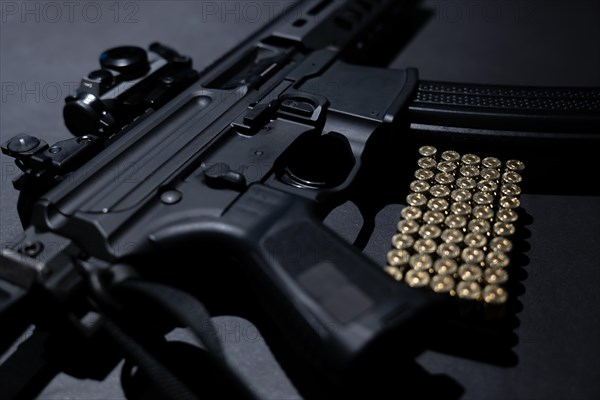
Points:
(427, 151)
(469, 171)
(437, 204)
(411, 213)
(446, 166)
(468, 290)
(472, 255)
(479, 226)
(509, 202)
(496, 259)
(495, 276)
(466, 183)
(454, 221)
(397, 258)
(425, 246)
(491, 162)
(469, 272)
(408, 227)
(507, 215)
(420, 262)
(440, 191)
(442, 283)
(450, 155)
(510, 189)
(483, 198)
(426, 163)
(511, 177)
(475, 240)
(515, 165)
(394, 272)
(430, 231)
(448, 250)
(487, 186)
(419, 186)
(444, 178)
(490, 174)
(483, 212)
(416, 199)
(433, 217)
(493, 294)
(460, 195)
(501, 244)
(470, 159)
(460, 208)
(504, 229)
(445, 266)
(402, 241)
(423, 174)
(452, 236)
(417, 278)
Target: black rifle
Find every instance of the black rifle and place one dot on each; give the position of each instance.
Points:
(241, 166)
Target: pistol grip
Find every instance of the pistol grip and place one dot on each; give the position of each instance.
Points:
(335, 305)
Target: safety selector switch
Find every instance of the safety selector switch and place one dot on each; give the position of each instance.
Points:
(220, 176)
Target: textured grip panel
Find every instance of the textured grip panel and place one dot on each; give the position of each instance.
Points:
(550, 109)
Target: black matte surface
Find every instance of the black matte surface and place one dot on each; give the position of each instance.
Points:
(499, 42)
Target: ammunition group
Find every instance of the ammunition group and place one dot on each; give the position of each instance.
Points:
(454, 235)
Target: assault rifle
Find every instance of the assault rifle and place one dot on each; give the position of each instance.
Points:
(239, 164)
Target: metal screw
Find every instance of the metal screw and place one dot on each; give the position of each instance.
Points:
(171, 197)
(32, 249)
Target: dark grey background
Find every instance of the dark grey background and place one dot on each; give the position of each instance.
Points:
(43, 55)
